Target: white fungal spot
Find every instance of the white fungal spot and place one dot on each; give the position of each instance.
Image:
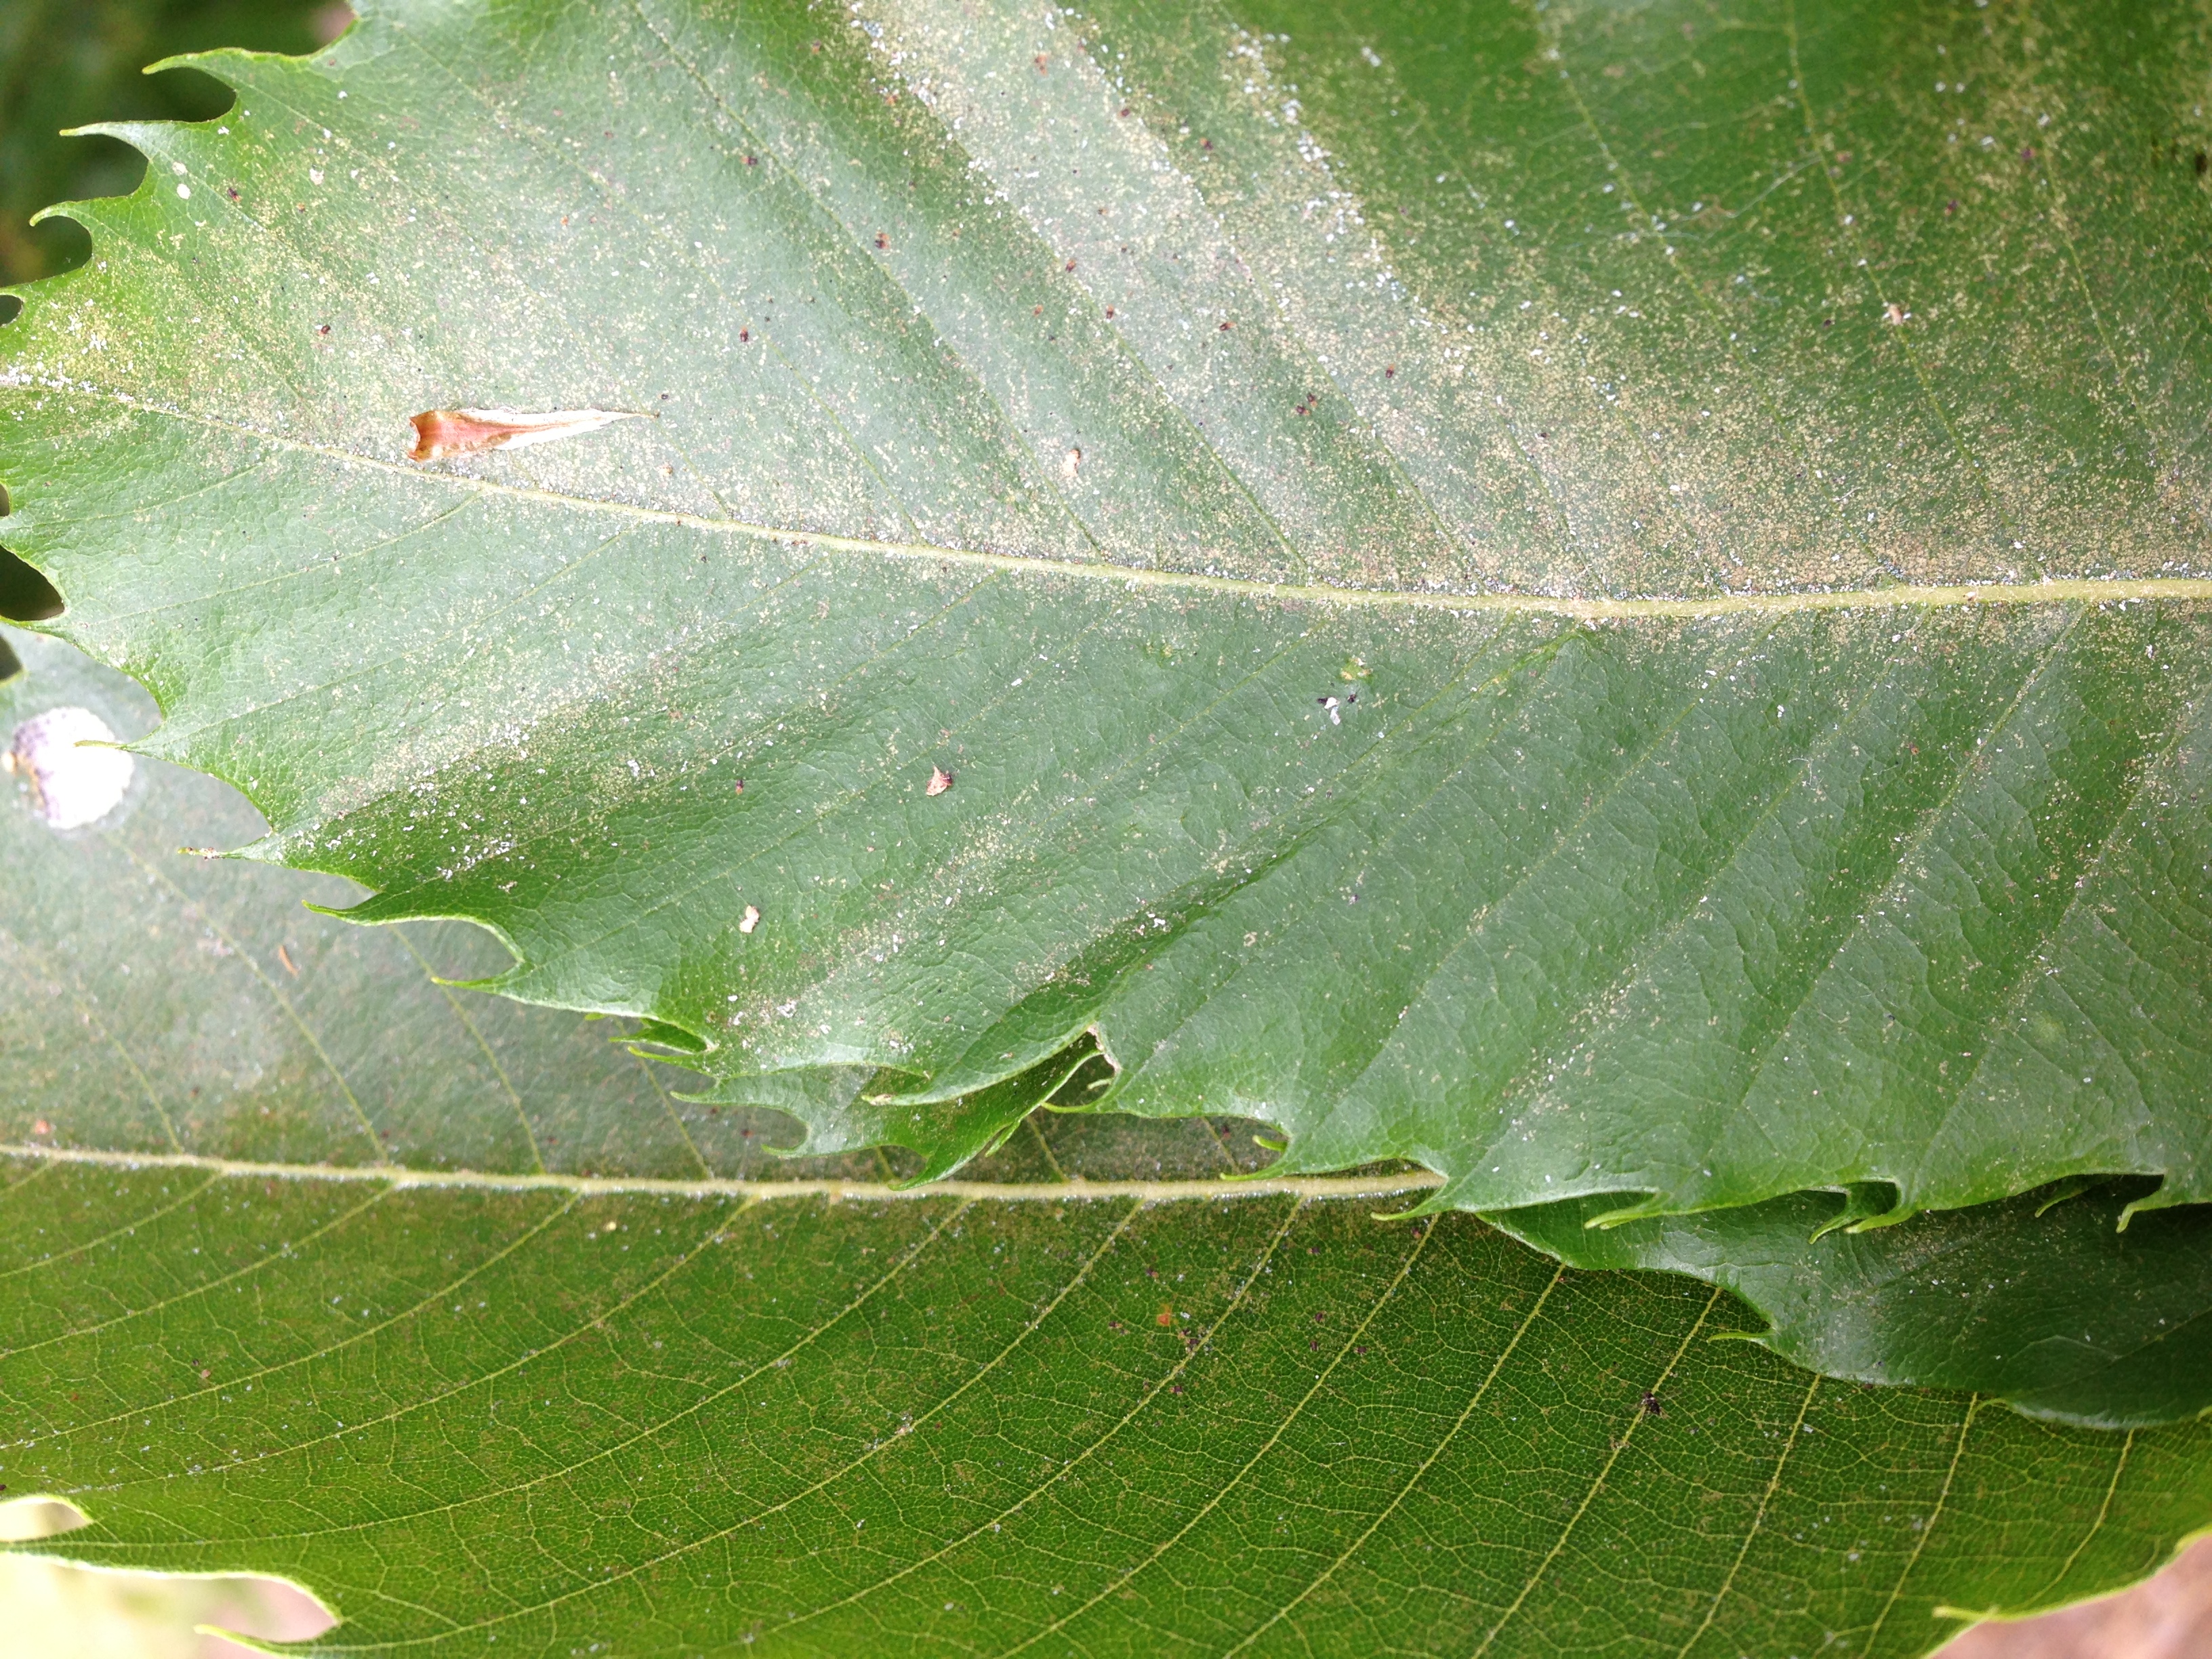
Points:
(70, 787)
(747, 922)
(183, 192)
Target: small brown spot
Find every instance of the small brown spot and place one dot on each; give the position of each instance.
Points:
(1042, 63)
(882, 240)
(1951, 206)
(1389, 371)
(751, 920)
(1226, 326)
(1165, 1317)
(1109, 310)
(743, 335)
(322, 328)
(1127, 112)
(42, 1127)
(285, 956)
(234, 192)
(811, 45)
(1844, 158)
(1070, 265)
(2203, 163)
(752, 161)
(2027, 152)
(939, 782)
(1206, 143)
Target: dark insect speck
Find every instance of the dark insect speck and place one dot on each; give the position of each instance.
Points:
(1652, 1407)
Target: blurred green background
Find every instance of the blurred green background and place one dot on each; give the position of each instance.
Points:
(64, 63)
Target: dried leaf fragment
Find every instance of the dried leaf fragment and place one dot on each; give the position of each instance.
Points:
(463, 431)
(751, 920)
(939, 782)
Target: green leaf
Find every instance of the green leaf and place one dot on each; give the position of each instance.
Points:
(554, 1399)
(676, 1425)
(163, 1005)
(2043, 1300)
(168, 1007)
(1665, 428)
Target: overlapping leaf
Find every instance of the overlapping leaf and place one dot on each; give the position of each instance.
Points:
(500, 1402)
(1661, 427)
(167, 1006)
(2048, 1301)
(661, 1425)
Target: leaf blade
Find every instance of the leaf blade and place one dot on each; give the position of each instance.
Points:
(847, 593)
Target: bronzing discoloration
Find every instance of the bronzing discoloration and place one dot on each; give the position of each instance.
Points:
(463, 431)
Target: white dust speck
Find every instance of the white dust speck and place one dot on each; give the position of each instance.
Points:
(70, 786)
(747, 922)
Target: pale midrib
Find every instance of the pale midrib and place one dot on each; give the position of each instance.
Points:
(1898, 596)
(1002, 1192)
